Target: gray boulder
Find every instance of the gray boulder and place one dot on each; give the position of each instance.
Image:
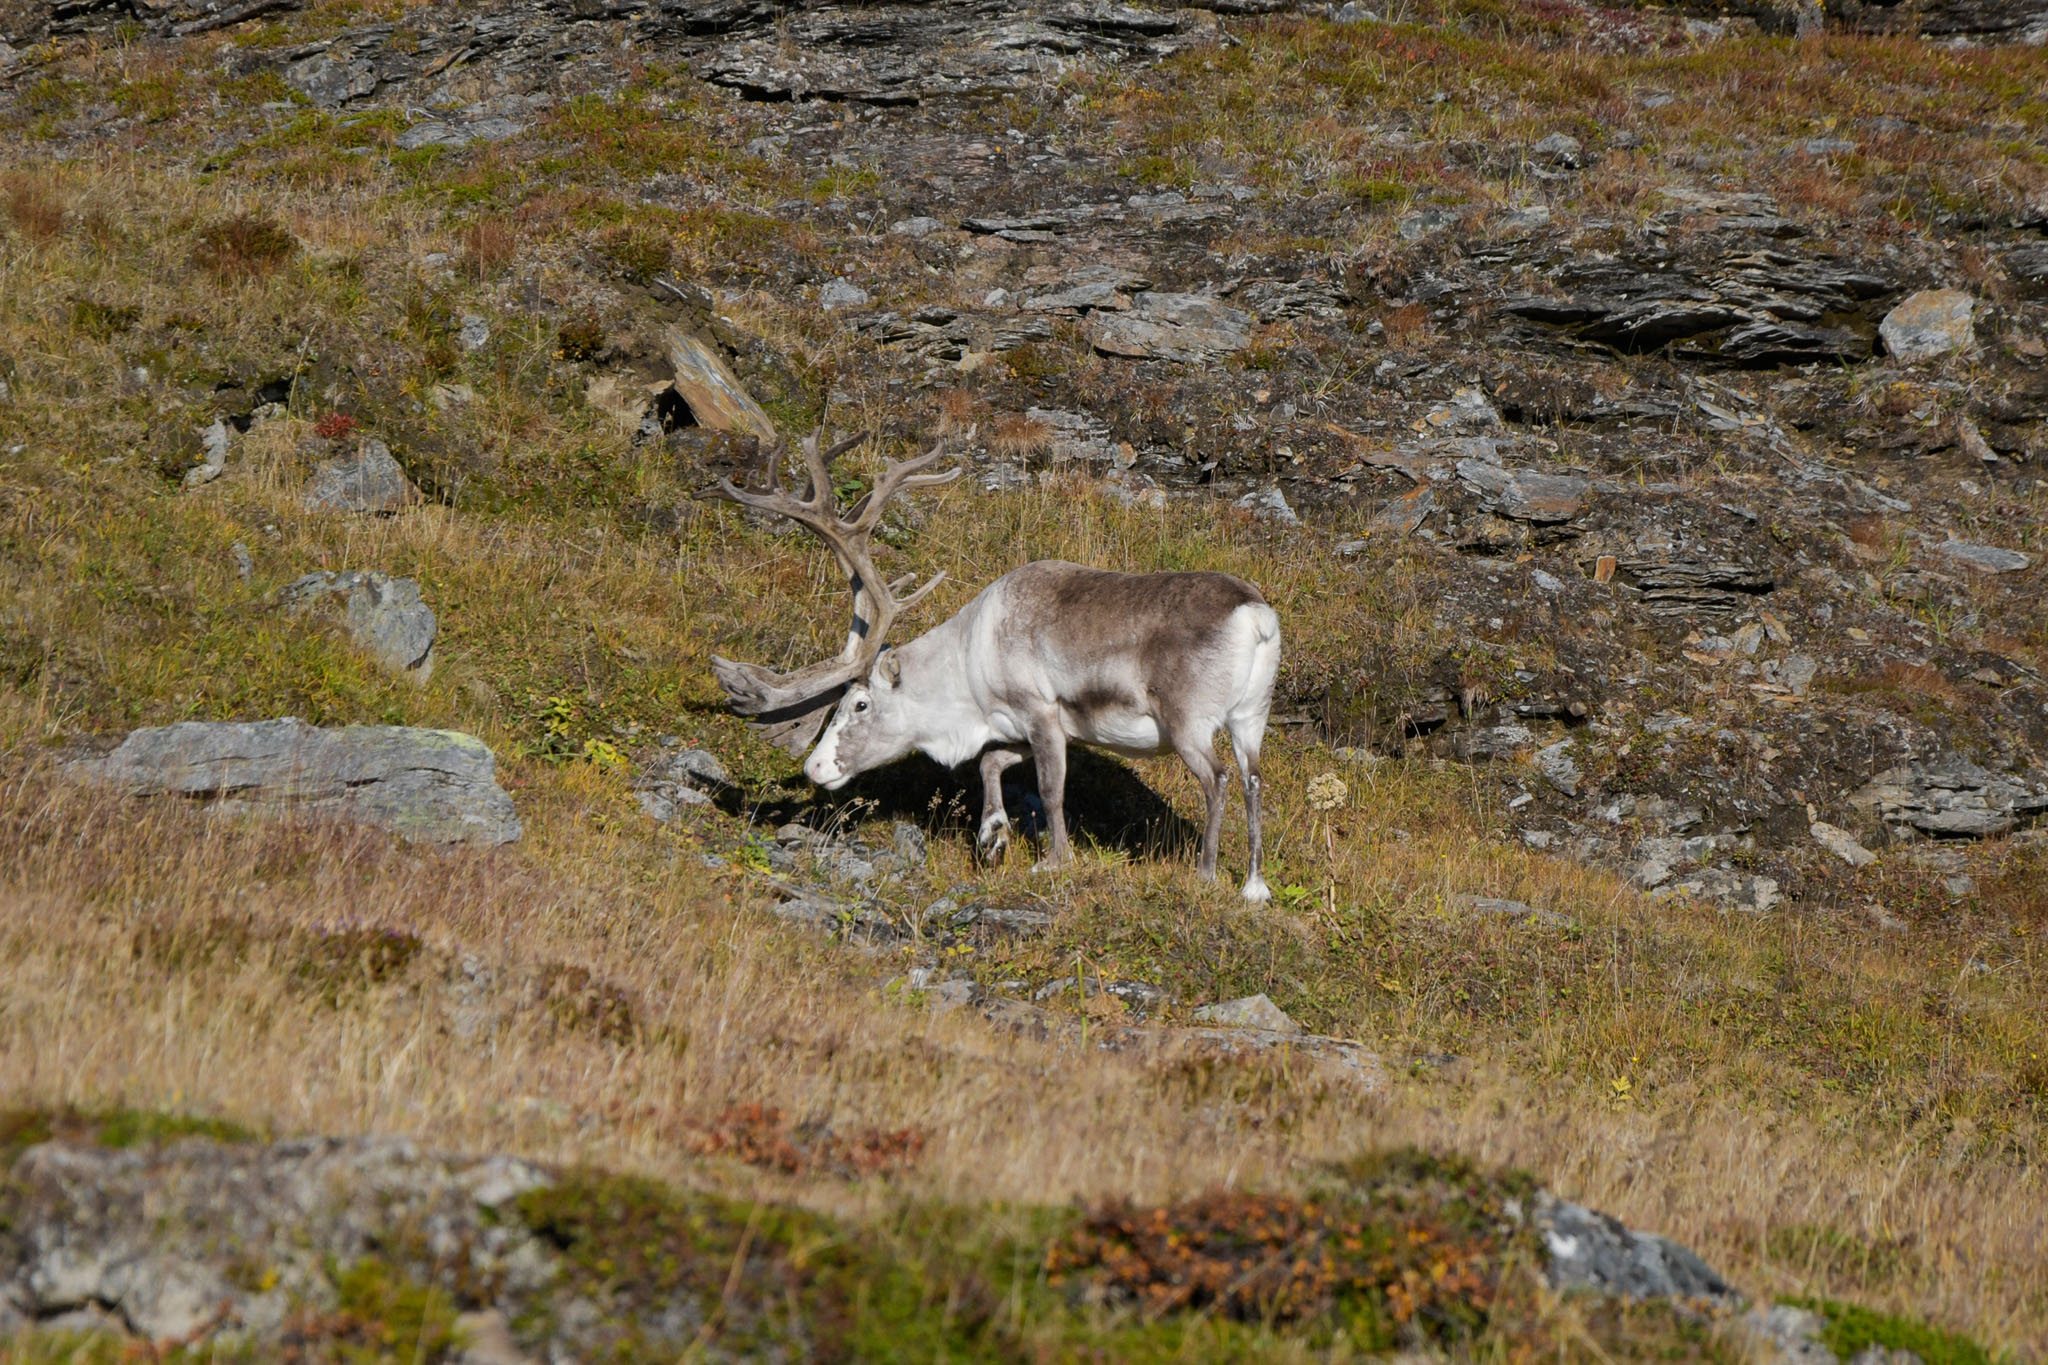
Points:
(1929, 324)
(675, 780)
(370, 481)
(1268, 504)
(427, 786)
(385, 616)
(1590, 1250)
(331, 80)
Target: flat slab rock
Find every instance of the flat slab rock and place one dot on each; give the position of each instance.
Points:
(1951, 797)
(1189, 328)
(427, 786)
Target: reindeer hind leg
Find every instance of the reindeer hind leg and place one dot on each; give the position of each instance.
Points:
(1200, 756)
(1244, 744)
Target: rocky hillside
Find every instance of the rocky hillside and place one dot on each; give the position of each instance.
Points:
(1637, 415)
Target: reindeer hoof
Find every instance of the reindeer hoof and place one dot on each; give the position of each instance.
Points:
(993, 840)
(1255, 888)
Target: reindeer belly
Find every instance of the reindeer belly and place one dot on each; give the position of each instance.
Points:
(1111, 723)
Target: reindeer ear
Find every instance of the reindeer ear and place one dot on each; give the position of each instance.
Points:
(890, 667)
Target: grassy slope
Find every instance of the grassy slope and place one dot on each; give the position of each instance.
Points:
(1816, 1109)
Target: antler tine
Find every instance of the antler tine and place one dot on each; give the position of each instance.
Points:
(896, 477)
(907, 603)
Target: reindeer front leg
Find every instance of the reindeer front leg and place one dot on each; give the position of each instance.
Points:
(994, 836)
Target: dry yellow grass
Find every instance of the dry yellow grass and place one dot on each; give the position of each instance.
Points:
(162, 958)
(1814, 1105)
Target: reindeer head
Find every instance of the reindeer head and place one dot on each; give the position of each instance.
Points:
(790, 708)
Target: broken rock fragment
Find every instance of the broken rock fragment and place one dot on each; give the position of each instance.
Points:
(1524, 494)
(1590, 1250)
(386, 616)
(1929, 324)
(1842, 844)
(215, 444)
(715, 395)
(370, 481)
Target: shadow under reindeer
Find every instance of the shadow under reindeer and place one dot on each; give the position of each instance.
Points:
(1107, 805)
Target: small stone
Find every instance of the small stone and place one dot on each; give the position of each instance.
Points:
(700, 765)
(1416, 226)
(1984, 558)
(1590, 1250)
(215, 443)
(908, 843)
(915, 227)
(487, 1340)
(1269, 504)
(1559, 149)
(1797, 673)
(1351, 12)
(1519, 912)
(996, 298)
(455, 135)
(475, 333)
(244, 566)
(1555, 763)
(842, 293)
(1929, 324)
(370, 482)
(1547, 582)
(387, 617)
(1468, 411)
(1251, 1011)
(1842, 844)
(1973, 443)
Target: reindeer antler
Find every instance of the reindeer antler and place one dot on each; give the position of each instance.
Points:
(791, 708)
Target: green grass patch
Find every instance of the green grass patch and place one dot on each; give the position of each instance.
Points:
(1852, 1330)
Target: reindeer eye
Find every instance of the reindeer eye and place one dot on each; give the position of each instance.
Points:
(860, 705)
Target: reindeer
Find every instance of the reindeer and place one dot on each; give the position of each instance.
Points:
(1048, 653)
